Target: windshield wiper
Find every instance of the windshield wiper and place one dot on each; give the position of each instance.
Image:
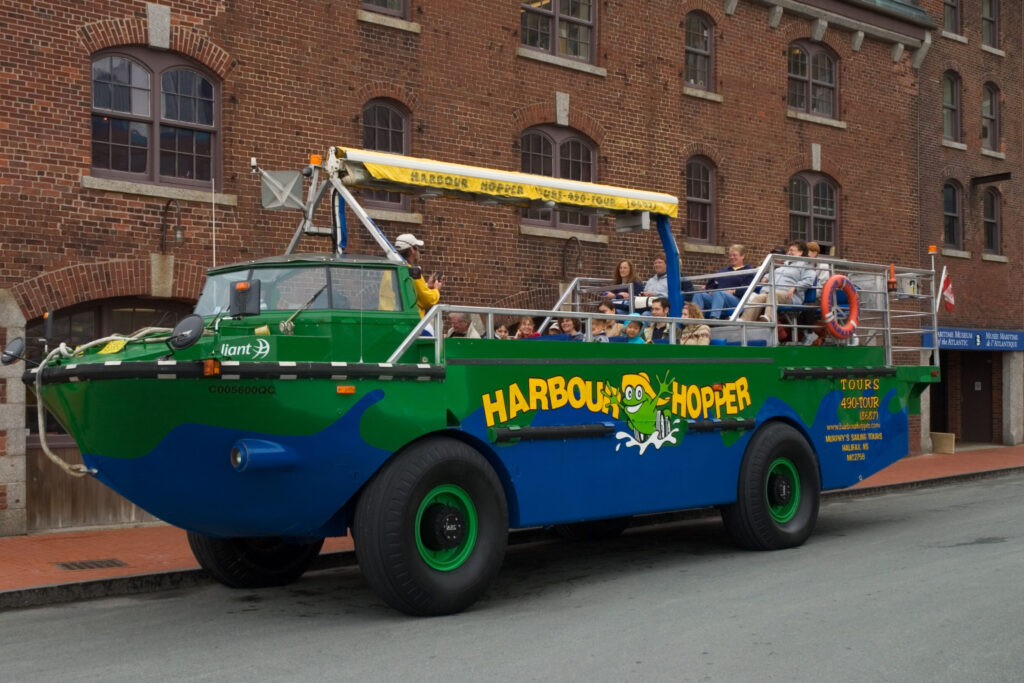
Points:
(287, 326)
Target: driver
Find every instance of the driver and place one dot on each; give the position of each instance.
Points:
(428, 292)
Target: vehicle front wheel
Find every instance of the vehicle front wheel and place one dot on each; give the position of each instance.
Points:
(253, 562)
(431, 528)
(778, 493)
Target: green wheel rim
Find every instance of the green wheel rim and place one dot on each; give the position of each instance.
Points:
(447, 559)
(782, 490)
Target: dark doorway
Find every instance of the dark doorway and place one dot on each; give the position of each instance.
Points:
(938, 395)
(976, 396)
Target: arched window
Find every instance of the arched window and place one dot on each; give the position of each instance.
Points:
(951, 106)
(84, 322)
(990, 124)
(990, 23)
(952, 214)
(813, 211)
(386, 129)
(813, 79)
(561, 153)
(700, 200)
(155, 118)
(699, 70)
(993, 220)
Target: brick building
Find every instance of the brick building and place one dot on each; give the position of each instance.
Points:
(970, 198)
(129, 124)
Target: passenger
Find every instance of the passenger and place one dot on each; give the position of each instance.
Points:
(657, 285)
(824, 270)
(526, 328)
(461, 327)
(428, 292)
(570, 326)
(606, 328)
(791, 280)
(634, 331)
(659, 330)
(625, 275)
(696, 334)
(724, 292)
(501, 331)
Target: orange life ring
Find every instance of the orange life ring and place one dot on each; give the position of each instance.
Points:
(835, 284)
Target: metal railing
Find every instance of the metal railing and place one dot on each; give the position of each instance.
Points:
(896, 306)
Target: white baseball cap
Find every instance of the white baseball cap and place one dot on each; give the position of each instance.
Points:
(407, 240)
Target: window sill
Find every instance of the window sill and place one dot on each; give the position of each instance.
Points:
(993, 50)
(990, 153)
(954, 36)
(395, 216)
(995, 258)
(955, 253)
(390, 22)
(812, 118)
(161, 191)
(537, 231)
(701, 94)
(698, 248)
(527, 53)
(954, 145)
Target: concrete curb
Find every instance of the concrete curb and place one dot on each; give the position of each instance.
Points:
(39, 596)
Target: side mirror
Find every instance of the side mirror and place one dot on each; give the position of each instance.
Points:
(14, 351)
(245, 299)
(186, 333)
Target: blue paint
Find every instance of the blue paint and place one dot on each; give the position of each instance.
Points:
(188, 479)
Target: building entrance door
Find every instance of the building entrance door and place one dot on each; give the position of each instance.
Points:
(976, 396)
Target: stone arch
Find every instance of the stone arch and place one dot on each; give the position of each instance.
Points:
(79, 283)
(803, 162)
(186, 40)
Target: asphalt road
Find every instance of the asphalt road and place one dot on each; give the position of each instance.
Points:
(921, 585)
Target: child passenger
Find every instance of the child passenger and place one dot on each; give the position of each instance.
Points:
(634, 332)
(697, 333)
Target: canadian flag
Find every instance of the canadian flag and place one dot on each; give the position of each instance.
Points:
(945, 291)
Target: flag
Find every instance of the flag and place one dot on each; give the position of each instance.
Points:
(945, 291)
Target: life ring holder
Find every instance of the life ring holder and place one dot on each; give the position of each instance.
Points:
(829, 314)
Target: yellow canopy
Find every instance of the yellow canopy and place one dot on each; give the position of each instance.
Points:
(398, 173)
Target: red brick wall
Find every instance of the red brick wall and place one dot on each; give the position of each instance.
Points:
(288, 91)
(988, 295)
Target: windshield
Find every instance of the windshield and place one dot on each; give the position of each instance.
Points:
(291, 288)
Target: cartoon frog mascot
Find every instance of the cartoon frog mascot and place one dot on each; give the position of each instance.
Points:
(640, 405)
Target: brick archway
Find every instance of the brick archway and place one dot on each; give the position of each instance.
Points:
(75, 284)
(186, 40)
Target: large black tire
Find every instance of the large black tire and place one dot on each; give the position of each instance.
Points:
(778, 493)
(253, 562)
(593, 530)
(431, 528)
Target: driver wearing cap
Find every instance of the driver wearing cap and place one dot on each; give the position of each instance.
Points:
(428, 292)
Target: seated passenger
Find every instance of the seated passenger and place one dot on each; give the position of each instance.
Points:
(526, 328)
(791, 280)
(461, 327)
(657, 285)
(696, 334)
(570, 327)
(606, 328)
(724, 292)
(824, 270)
(659, 330)
(625, 285)
(634, 331)
(501, 331)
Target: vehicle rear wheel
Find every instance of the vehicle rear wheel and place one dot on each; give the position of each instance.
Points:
(593, 530)
(431, 528)
(253, 562)
(778, 493)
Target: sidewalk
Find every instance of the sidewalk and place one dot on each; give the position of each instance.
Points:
(64, 566)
